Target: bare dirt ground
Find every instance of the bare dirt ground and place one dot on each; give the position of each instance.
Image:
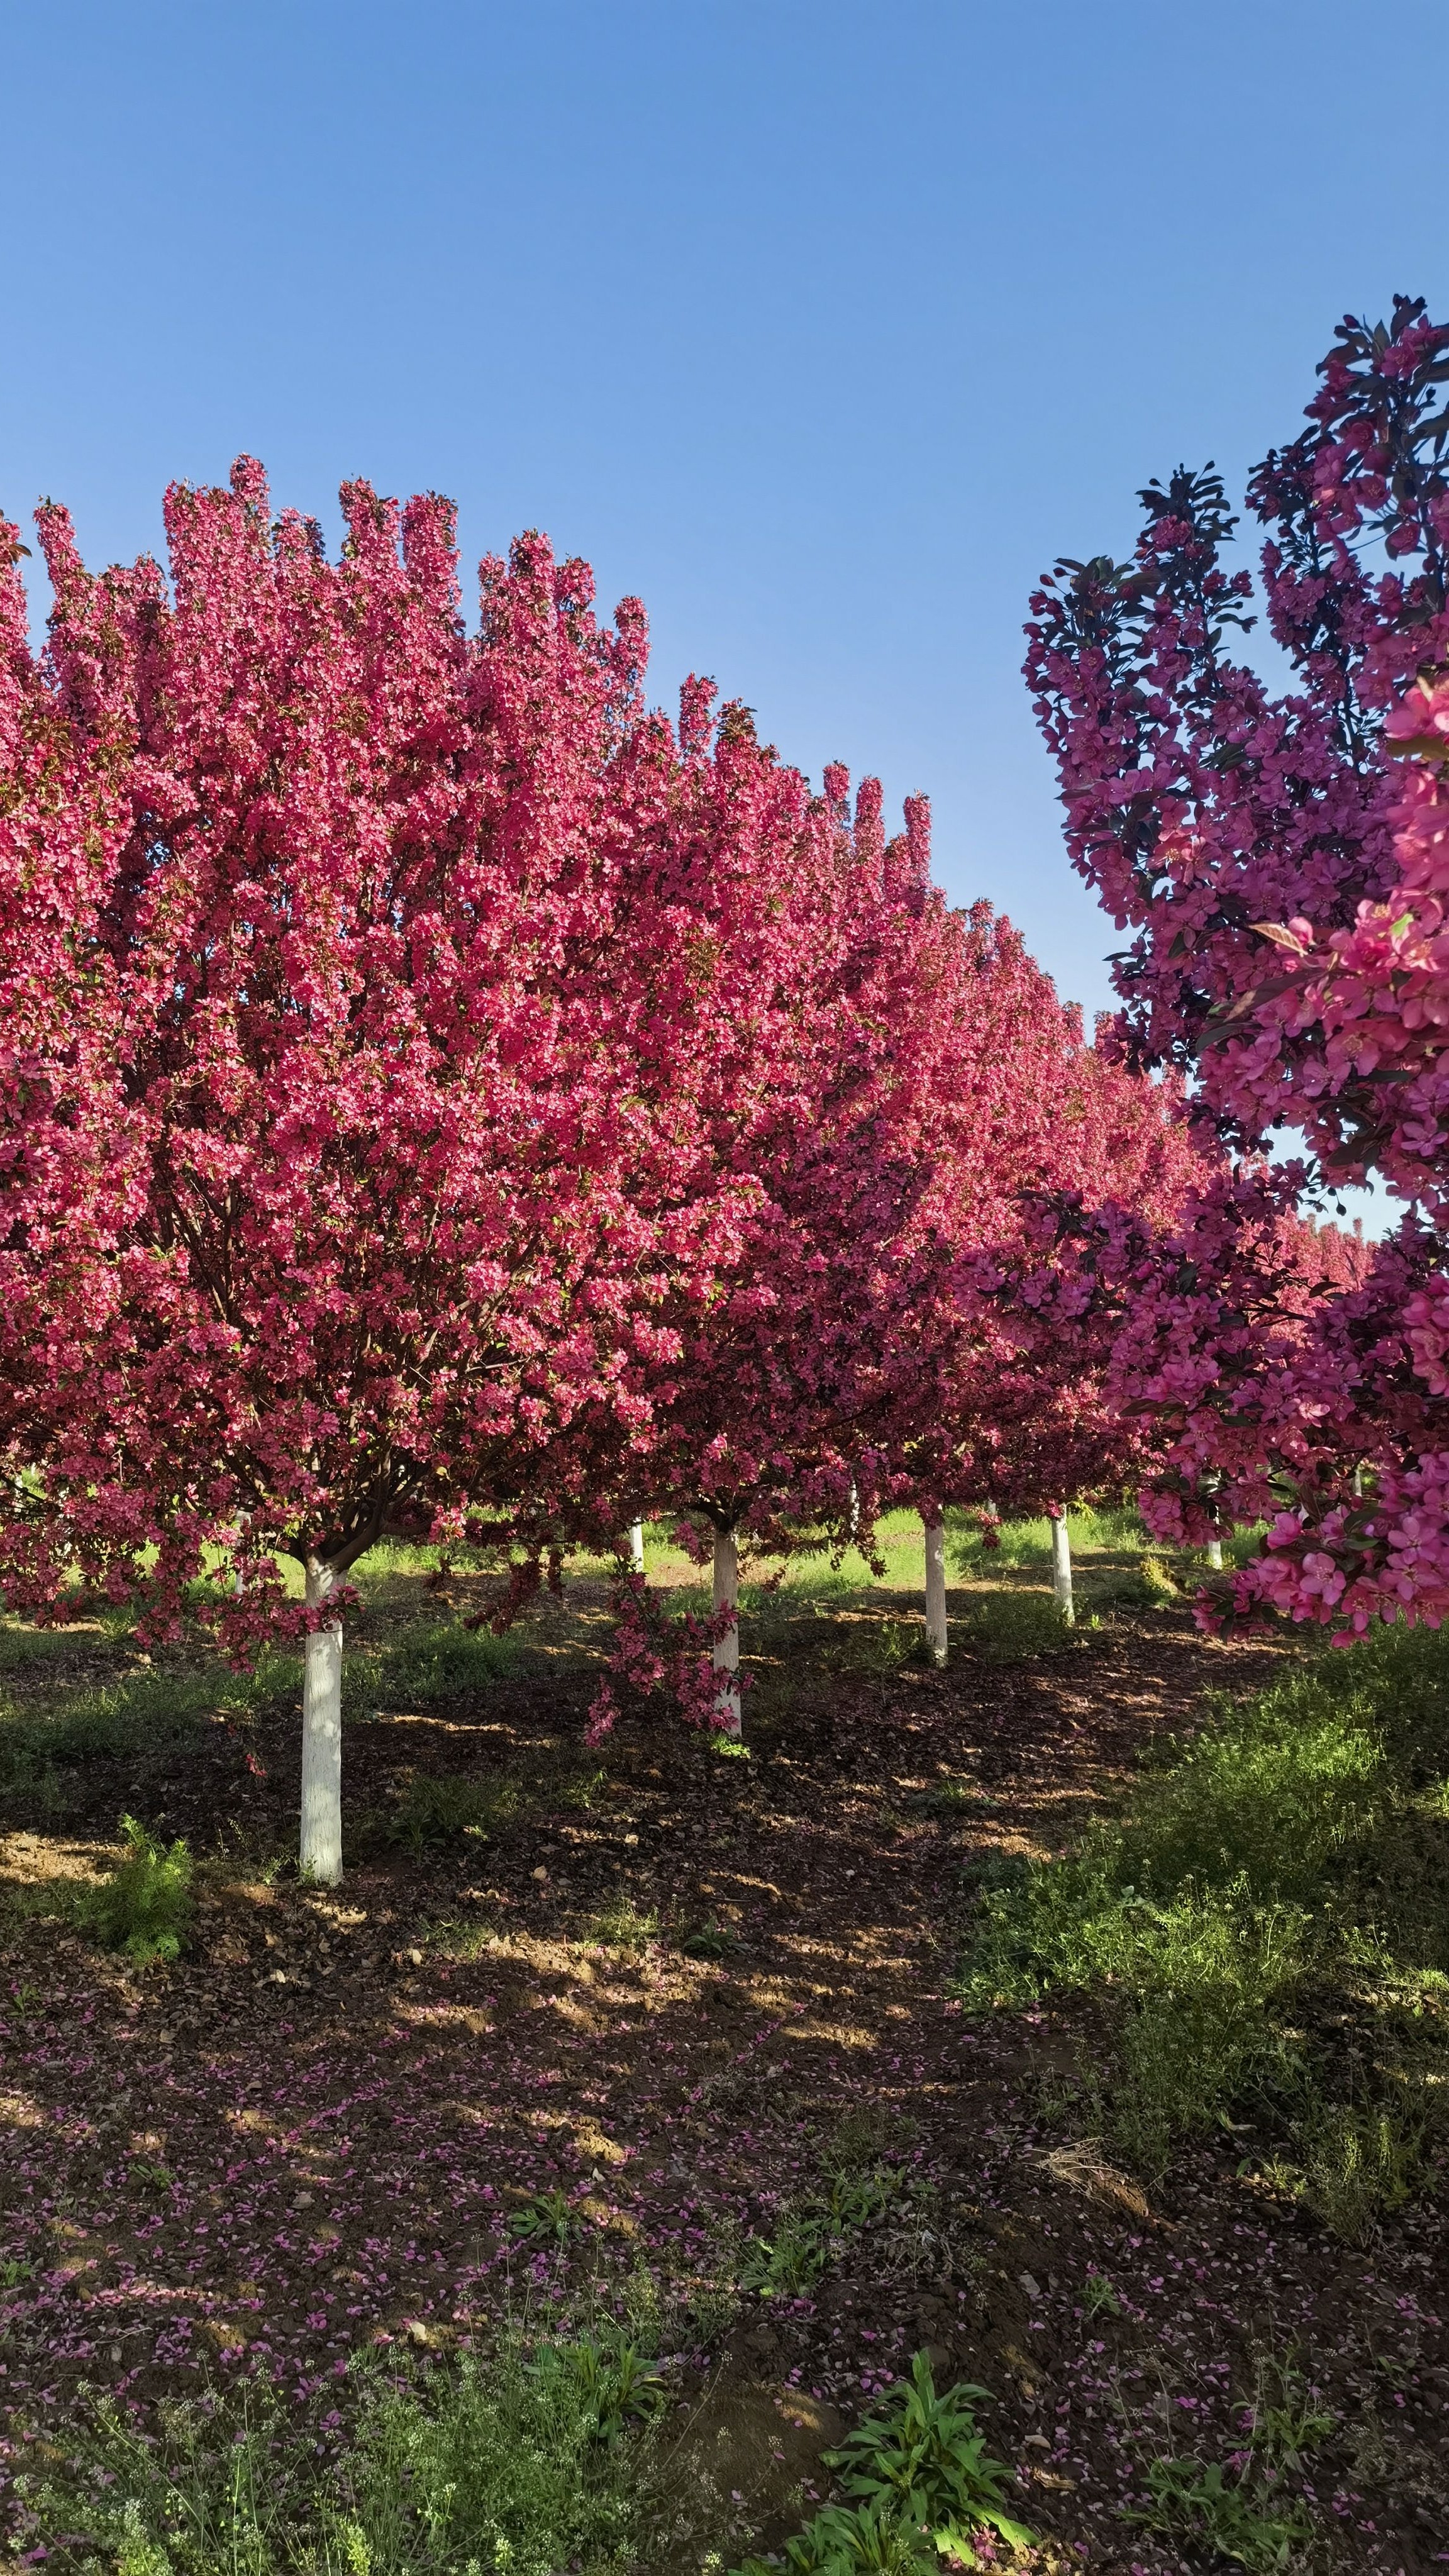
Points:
(682, 1992)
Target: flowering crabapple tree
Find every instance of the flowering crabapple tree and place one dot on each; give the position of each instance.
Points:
(1021, 1420)
(734, 1415)
(1206, 1328)
(387, 1015)
(913, 1079)
(1280, 860)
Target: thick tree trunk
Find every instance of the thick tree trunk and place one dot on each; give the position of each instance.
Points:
(1062, 1568)
(320, 1855)
(935, 1588)
(727, 1647)
(1215, 1555)
(636, 1547)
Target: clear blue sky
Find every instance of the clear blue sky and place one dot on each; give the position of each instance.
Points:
(824, 326)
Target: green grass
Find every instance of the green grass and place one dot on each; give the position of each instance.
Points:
(149, 1711)
(144, 1712)
(1025, 1546)
(1224, 2511)
(621, 1925)
(434, 1810)
(514, 2466)
(1266, 1928)
(849, 1616)
(23, 1649)
(1006, 1627)
(437, 1660)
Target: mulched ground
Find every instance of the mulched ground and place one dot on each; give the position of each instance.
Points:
(320, 2129)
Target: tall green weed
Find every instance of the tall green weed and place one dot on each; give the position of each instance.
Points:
(144, 1907)
(922, 2488)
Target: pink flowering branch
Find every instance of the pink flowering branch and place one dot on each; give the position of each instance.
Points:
(1283, 862)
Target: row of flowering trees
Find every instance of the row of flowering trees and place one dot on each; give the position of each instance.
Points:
(1282, 859)
(440, 1097)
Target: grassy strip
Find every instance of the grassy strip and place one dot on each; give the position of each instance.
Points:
(148, 1711)
(1008, 1613)
(1266, 1927)
(528, 2461)
(523, 2462)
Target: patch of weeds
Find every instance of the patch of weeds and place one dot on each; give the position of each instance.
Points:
(646, 2308)
(856, 2200)
(622, 1925)
(160, 2177)
(708, 2300)
(811, 2230)
(1099, 2299)
(13, 2272)
(1238, 2517)
(439, 1809)
(426, 1666)
(1147, 1584)
(729, 1748)
(1195, 1977)
(455, 1940)
(1204, 2030)
(785, 2265)
(144, 1907)
(710, 1939)
(513, 2462)
(106, 1724)
(548, 2218)
(581, 1789)
(1072, 2100)
(1264, 1924)
(727, 2086)
(917, 2241)
(1285, 2422)
(953, 1798)
(865, 2137)
(712, 2304)
(880, 1645)
(607, 2378)
(863, 2542)
(1360, 2164)
(988, 1872)
(1006, 1626)
(22, 1648)
(921, 2483)
(1157, 1580)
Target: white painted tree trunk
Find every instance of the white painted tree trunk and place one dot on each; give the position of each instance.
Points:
(1062, 1569)
(935, 1588)
(727, 1647)
(320, 1854)
(1215, 1555)
(636, 1547)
